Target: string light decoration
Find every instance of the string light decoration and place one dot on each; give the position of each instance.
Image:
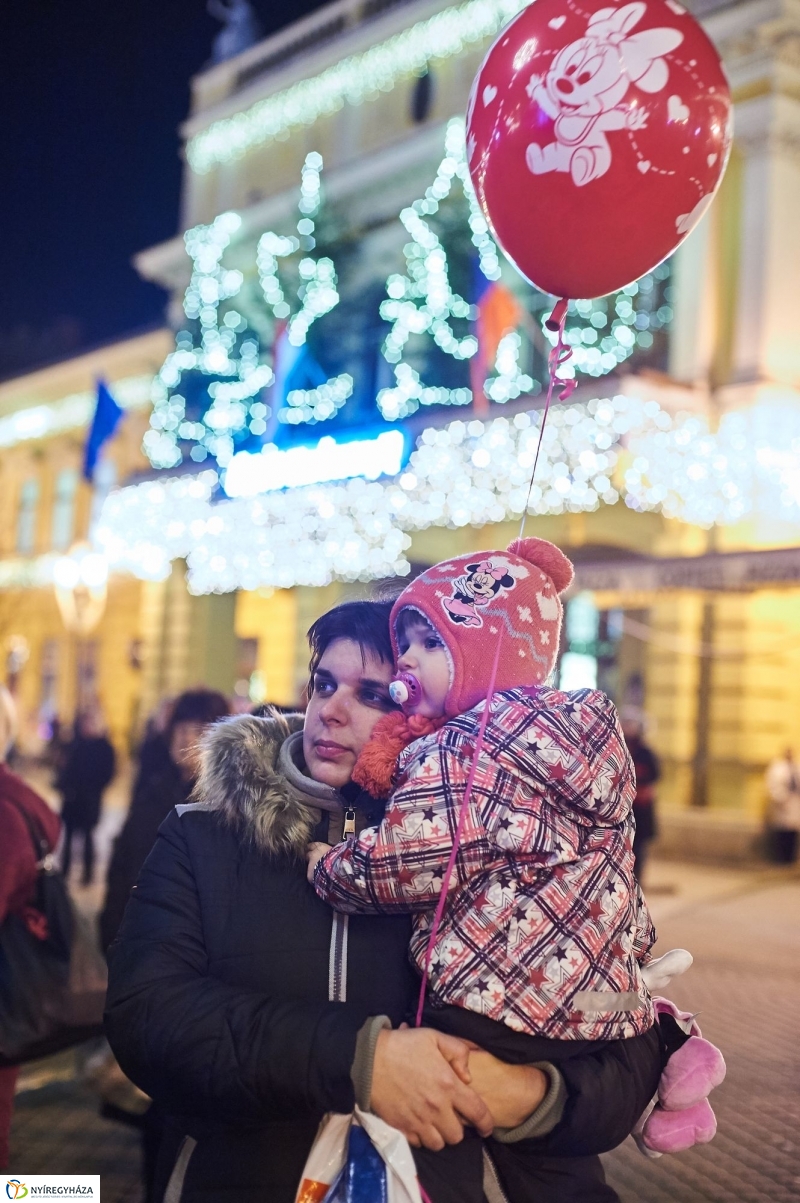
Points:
(602, 333)
(317, 295)
(213, 358)
(353, 80)
(301, 536)
(472, 473)
(70, 412)
(219, 357)
(422, 301)
(143, 528)
(610, 329)
(749, 465)
(465, 473)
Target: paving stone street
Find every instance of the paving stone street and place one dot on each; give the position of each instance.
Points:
(744, 983)
(744, 931)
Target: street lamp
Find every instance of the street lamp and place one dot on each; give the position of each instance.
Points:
(81, 584)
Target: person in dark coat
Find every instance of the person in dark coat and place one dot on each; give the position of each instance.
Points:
(165, 780)
(18, 868)
(236, 1002)
(87, 768)
(648, 771)
(153, 754)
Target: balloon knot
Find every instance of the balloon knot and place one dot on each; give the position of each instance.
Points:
(561, 352)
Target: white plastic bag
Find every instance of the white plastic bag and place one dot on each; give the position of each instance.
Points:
(329, 1152)
(395, 1151)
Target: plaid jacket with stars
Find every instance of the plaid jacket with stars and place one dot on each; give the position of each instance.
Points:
(545, 928)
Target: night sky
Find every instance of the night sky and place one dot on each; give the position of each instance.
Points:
(91, 95)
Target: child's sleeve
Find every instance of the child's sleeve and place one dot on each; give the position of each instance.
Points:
(645, 934)
(399, 866)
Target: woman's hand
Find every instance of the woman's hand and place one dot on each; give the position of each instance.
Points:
(420, 1085)
(511, 1092)
(314, 854)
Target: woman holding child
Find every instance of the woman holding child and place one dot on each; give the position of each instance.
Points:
(247, 1009)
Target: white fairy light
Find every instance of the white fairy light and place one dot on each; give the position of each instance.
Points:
(317, 404)
(466, 473)
(318, 295)
(226, 348)
(353, 80)
(750, 464)
(29, 572)
(318, 276)
(218, 349)
(612, 328)
(70, 412)
(142, 528)
(422, 302)
(300, 536)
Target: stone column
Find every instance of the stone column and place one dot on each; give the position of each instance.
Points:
(760, 44)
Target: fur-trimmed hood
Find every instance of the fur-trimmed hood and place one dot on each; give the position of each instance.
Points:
(252, 772)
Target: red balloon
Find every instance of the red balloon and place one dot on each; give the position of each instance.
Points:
(597, 136)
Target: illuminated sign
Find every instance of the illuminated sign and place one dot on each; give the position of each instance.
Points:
(250, 473)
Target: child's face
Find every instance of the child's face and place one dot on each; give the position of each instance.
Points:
(422, 653)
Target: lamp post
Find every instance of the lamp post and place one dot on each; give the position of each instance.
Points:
(80, 579)
(81, 583)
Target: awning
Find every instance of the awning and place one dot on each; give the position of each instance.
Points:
(732, 572)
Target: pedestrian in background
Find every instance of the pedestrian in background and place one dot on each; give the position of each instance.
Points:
(166, 778)
(153, 754)
(87, 769)
(19, 804)
(783, 788)
(648, 771)
(161, 785)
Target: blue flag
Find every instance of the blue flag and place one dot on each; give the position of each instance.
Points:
(106, 418)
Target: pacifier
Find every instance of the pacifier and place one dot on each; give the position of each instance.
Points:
(405, 690)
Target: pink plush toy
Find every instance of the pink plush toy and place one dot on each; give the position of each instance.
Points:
(680, 1114)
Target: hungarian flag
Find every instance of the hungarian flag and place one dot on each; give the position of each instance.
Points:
(105, 421)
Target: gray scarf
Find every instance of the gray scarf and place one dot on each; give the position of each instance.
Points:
(315, 794)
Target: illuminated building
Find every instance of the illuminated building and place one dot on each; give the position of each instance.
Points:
(329, 290)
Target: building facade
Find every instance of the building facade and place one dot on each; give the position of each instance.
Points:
(352, 390)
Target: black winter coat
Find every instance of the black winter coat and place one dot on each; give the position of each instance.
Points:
(155, 795)
(88, 769)
(218, 985)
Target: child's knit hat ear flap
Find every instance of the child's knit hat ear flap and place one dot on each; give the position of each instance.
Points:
(546, 556)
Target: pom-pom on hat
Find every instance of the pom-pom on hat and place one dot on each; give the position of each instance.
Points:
(469, 599)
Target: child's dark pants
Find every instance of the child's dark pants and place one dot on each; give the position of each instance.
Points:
(609, 1084)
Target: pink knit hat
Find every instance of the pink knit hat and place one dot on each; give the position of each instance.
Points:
(469, 599)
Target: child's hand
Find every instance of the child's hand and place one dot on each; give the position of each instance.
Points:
(315, 853)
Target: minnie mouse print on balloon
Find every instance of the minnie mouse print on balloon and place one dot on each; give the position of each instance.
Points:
(584, 88)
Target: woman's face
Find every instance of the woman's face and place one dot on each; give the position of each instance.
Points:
(184, 748)
(349, 693)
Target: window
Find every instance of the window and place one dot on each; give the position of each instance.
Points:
(578, 667)
(26, 516)
(64, 508)
(105, 477)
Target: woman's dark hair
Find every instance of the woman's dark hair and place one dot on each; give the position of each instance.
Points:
(365, 622)
(197, 706)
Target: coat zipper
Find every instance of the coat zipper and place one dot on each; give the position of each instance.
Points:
(337, 959)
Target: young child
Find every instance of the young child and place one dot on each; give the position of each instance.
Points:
(545, 932)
